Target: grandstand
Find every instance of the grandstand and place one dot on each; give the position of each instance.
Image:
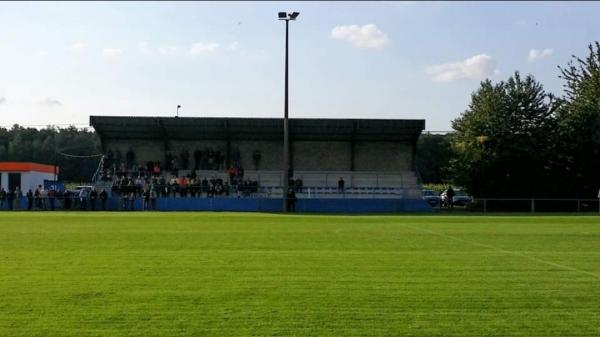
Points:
(375, 157)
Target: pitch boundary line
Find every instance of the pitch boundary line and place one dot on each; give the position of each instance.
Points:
(501, 250)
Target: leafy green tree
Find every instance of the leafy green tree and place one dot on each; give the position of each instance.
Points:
(501, 145)
(433, 158)
(47, 145)
(579, 125)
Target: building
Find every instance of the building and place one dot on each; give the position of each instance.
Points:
(25, 175)
(375, 157)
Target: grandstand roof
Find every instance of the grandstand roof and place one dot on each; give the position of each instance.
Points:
(199, 128)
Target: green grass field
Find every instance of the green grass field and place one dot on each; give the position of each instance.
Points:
(241, 274)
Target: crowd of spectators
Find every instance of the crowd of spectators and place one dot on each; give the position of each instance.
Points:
(128, 177)
(53, 198)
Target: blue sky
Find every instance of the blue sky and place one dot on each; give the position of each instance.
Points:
(61, 62)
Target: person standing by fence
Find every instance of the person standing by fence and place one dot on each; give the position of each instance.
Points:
(2, 197)
(9, 198)
(145, 199)
(51, 197)
(29, 200)
(131, 200)
(103, 197)
(153, 196)
(17, 201)
(93, 197)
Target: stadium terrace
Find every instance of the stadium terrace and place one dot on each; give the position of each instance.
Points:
(195, 163)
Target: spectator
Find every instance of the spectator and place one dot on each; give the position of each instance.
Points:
(93, 197)
(153, 196)
(124, 201)
(131, 200)
(450, 196)
(341, 184)
(156, 169)
(43, 196)
(51, 197)
(103, 197)
(37, 197)
(9, 198)
(17, 198)
(68, 198)
(83, 196)
(145, 199)
(256, 159)
(183, 184)
(291, 200)
(30, 197)
(2, 198)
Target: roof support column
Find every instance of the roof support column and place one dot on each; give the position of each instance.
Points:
(352, 151)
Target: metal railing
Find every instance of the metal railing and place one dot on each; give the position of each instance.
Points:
(535, 205)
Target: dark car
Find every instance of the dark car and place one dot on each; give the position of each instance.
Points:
(432, 198)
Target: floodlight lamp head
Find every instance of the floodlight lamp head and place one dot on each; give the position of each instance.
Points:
(294, 15)
(282, 15)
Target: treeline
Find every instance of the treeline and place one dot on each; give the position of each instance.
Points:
(518, 140)
(53, 145)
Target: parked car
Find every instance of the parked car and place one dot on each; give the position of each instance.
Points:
(432, 198)
(461, 198)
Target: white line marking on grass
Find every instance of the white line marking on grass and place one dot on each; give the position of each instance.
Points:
(510, 252)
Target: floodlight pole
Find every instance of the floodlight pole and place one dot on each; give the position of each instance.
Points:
(286, 140)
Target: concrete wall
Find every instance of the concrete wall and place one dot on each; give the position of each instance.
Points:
(321, 156)
(383, 156)
(306, 155)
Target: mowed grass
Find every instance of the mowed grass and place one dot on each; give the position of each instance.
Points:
(244, 274)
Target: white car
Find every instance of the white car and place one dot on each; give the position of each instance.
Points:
(461, 198)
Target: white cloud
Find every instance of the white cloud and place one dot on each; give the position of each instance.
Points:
(144, 47)
(475, 67)
(2, 99)
(112, 52)
(79, 46)
(535, 54)
(167, 50)
(365, 37)
(233, 45)
(50, 102)
(42, 53)
(200, 48)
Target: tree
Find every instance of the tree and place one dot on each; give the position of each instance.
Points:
(501, 145)
(579, 125)
(433, 158)
(45, 145)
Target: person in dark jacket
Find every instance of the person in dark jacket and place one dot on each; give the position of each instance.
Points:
(29, 200)
(145, 199)
(2, 198)
(103, 197)
(51, 198)
(37, 195)
(10, 196)
(291, 200)
(450, 196)
(93, 197)
(341, 185)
